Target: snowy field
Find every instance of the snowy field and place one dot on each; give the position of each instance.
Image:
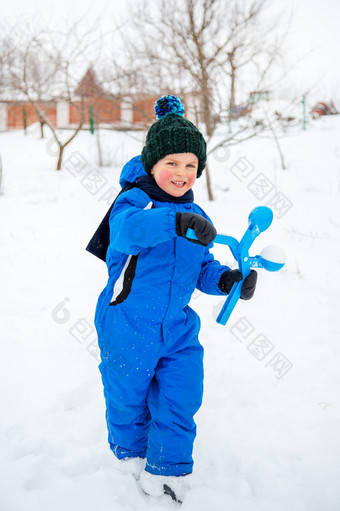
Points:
(269, 428)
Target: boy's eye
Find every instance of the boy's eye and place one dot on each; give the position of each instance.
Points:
(171, 163)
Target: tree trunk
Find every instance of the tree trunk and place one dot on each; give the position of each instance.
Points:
(60, 156)
(209, 131)
(277, 143)
(232, 88)
(62, 146)
(207, 177)
(42, 129)
(231, 56)
(100, 157)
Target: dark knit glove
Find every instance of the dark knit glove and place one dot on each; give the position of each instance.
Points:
(228, 279)
(204, 230)
(249, 285)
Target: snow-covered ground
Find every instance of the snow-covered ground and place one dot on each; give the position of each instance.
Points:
(269, 429)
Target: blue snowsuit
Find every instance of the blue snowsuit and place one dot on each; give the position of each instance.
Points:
(152, 361)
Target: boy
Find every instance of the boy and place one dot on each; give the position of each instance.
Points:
(151, 367)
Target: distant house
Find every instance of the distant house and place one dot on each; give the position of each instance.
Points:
(259, 95)
(130, 111)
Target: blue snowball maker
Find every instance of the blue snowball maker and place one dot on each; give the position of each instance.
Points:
(261, 218)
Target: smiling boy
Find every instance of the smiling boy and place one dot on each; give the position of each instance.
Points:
(176, 173)
(152, 361)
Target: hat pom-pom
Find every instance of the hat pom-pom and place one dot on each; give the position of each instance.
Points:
(167, 105)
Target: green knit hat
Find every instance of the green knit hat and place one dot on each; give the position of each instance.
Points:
(172, 134)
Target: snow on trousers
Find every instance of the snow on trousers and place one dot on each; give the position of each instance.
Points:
(153, 384)
(152, 361)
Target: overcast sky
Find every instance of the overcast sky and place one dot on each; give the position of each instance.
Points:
(315, 26)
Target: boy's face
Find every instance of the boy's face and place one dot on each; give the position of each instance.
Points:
(176, 173)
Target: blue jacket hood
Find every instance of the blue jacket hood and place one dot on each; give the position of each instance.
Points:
(131, 171)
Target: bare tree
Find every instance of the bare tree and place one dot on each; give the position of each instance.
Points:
(201, 45)
(45, 65)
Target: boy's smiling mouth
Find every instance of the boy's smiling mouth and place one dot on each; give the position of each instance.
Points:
(180, 184)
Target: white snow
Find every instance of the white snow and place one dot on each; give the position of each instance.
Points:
(274, 254)
(267, 441)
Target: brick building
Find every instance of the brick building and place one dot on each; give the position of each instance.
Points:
(103, 108)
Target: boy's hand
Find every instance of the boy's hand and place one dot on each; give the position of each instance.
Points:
(204, 230)
(228, 279)
(249, 285)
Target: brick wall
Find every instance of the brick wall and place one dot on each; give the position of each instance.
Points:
(106, 111)
(139, 112)
(15, 114)
(143, 111)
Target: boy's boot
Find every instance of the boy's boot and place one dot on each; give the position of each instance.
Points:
(132, 466)
(157, 485)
